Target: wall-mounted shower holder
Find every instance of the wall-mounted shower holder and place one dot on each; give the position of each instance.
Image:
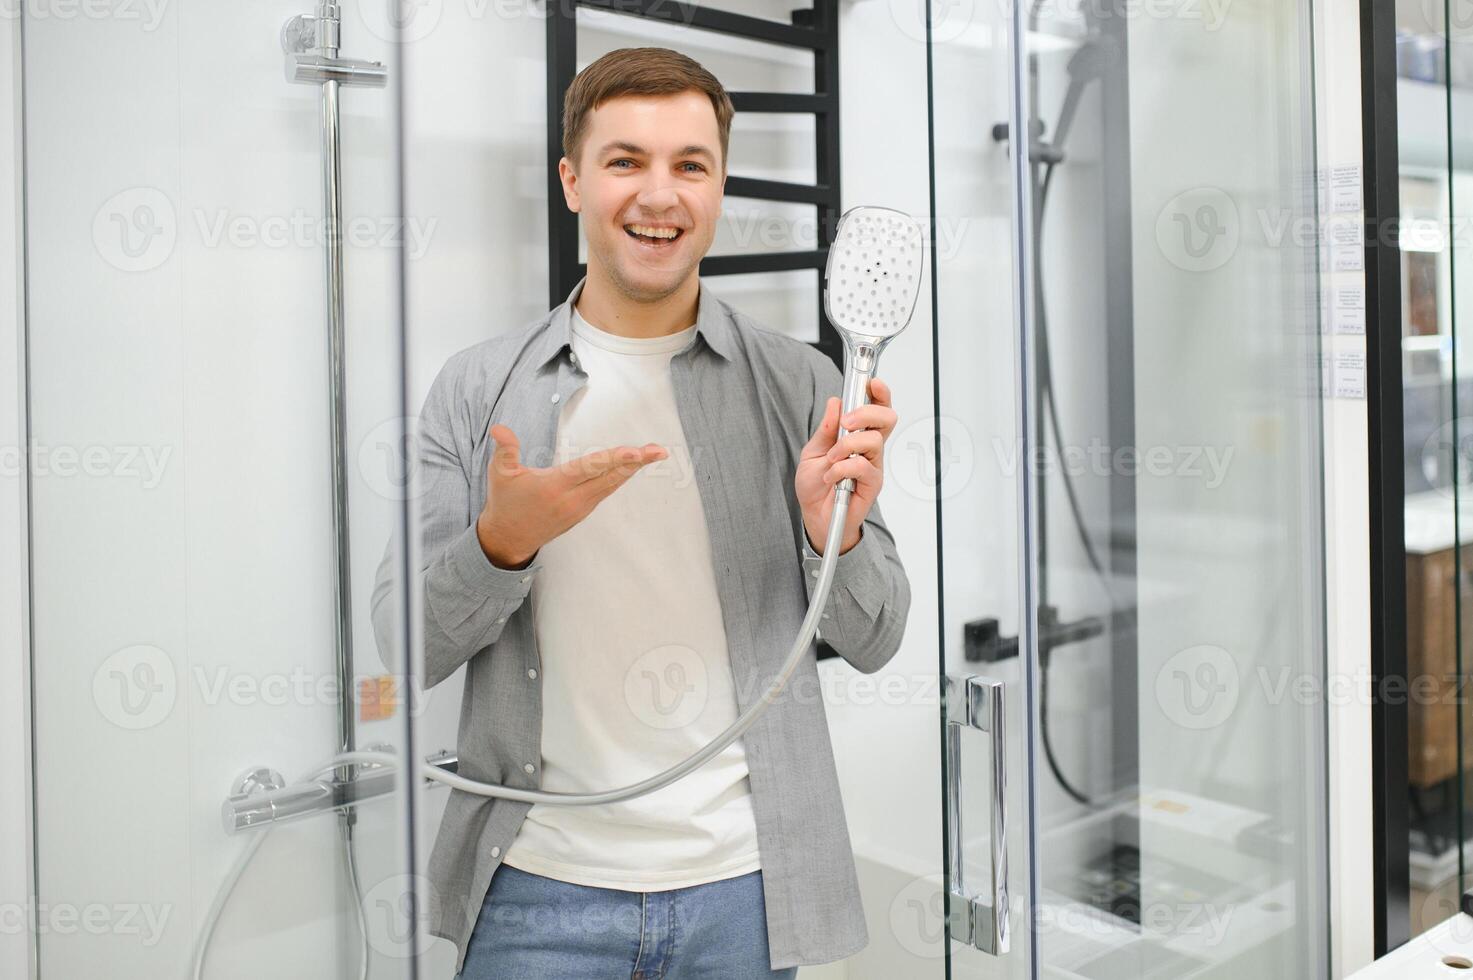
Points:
(310, 42)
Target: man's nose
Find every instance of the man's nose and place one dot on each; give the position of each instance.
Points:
(658, 195)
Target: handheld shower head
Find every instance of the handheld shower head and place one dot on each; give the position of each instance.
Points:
(871, 283)
(873, 274)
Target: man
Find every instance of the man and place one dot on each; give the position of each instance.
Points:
(654, 472)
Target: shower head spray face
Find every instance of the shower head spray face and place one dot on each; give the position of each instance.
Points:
(873, 275)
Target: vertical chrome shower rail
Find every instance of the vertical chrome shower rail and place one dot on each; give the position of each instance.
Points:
(332, 208)
(311, 46)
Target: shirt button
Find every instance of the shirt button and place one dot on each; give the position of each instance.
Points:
(496, 852)
(556, 396)
(529, 768)
(528, 578)
(502, 619)
(815, 574)
(827, 616)
(532, 672)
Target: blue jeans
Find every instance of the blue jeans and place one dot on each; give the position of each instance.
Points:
(536, 928)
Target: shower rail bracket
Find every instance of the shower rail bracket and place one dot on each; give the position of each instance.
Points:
(314, 69)
(311, 46)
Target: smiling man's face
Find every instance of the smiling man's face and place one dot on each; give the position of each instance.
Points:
(650, 168)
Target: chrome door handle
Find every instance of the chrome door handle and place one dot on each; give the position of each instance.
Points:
(974, 701)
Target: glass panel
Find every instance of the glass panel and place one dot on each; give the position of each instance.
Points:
(1435, 68)
(974, 451)
(478, 164)
(185, 611)
(1179, 815)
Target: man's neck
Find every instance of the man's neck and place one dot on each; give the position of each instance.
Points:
(608, 309)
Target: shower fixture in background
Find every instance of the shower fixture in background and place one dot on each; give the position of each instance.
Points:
(310, 43)
(1099, 59)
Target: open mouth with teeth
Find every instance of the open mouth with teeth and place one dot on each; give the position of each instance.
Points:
(653, 236)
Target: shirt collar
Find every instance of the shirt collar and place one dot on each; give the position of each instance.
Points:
(712, 323)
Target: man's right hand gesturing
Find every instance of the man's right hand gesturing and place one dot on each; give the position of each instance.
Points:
(528, 506)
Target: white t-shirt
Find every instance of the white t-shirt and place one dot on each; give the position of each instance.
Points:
(635, 671)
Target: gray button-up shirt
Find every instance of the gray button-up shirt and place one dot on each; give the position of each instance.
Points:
(749, 399)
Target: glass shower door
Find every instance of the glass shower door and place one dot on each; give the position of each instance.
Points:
(1157, 448)
(976, 477)
(188, 626)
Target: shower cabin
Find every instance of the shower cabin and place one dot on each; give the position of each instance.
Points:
(254, 232)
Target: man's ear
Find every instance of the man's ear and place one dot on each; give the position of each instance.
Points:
(569, 178)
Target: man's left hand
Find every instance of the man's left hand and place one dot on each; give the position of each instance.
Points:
(826, 460)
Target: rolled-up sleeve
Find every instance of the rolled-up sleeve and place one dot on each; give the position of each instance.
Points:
(466, 599)
(864, 617)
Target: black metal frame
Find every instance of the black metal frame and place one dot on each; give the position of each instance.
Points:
(816, 30)
(1385, 450)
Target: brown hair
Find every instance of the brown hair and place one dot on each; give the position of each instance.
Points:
(638, 71)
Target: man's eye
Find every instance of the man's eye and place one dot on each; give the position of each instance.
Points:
(622, 160)
(696, 165)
